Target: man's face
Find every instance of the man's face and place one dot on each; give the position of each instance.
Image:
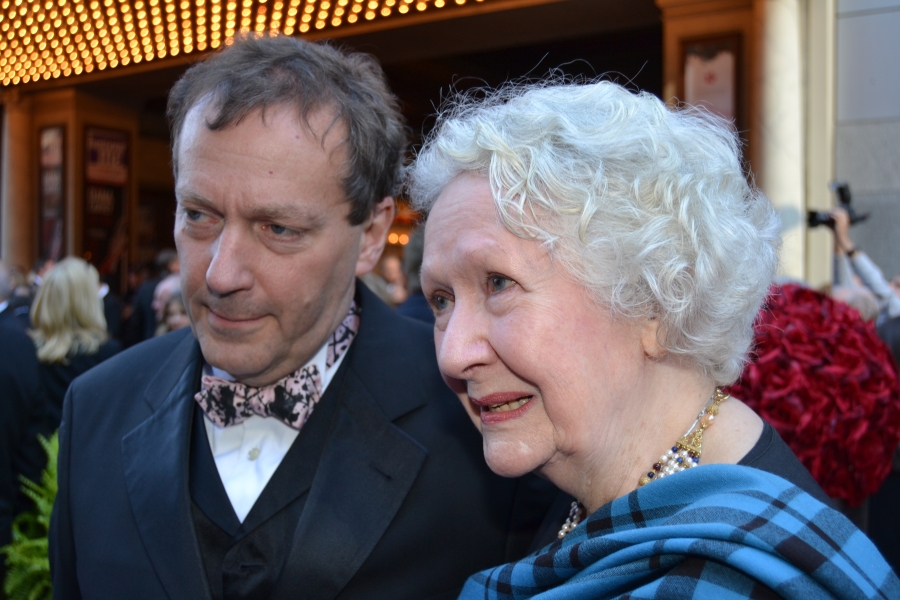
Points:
(268, 257)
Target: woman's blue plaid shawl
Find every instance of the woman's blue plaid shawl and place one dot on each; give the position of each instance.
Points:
(716, 532)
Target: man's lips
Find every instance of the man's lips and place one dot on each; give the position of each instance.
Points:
(227, 319)
(502, 406)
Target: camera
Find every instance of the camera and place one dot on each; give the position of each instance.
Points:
(842, 189)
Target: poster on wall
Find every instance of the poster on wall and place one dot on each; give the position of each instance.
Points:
(51, 229)
(106, 200)
(711, 75)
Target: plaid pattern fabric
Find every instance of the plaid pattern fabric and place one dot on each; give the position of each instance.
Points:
(715, 532)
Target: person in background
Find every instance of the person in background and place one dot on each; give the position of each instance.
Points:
(112, 309)
(69, 329)
(860, 298)
(137, 275)
(175, 315)
(386, 281)
(596, 262)
(415, 306)
(142, 322)
(9, 315)
(39, 270)
(850, 260)
(20, 299)
(22, 418)
(166, 288)
(392, 272)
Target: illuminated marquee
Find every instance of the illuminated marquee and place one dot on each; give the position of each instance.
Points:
(44, 39)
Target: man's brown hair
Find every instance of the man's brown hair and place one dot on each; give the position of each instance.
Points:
(257, 72)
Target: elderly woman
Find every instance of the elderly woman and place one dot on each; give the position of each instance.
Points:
(69, 329)
(595, 263)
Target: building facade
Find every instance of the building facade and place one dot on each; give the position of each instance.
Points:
(85, 166)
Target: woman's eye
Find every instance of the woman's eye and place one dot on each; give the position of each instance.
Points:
(439, 302)
(498, 283)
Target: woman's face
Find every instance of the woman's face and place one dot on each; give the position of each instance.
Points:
(545, 373)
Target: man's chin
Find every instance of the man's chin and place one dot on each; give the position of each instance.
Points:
(230, 357)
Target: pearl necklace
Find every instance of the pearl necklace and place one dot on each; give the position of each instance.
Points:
(683, 455)
(576, 514)
(686, 452)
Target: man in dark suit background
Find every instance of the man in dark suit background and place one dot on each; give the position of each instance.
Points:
(12, 313)
(298, 441)
(141, 325)
(22, 418)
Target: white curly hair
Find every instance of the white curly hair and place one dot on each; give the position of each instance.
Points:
(645, 206)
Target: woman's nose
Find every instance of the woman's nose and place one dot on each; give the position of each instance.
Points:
(463, 345)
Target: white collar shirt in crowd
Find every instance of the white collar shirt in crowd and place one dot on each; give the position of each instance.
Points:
(247, 454)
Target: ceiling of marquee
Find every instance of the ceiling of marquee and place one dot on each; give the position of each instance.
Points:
(47, 39)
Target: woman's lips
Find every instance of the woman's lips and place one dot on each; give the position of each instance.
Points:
(502, 406)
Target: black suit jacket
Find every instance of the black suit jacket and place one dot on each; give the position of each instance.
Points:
(15, 315)
(141, 325)
(401, 504)
(22, 418)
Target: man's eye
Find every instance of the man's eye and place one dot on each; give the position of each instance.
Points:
(193, 215)
(498, 283)
(278, 229)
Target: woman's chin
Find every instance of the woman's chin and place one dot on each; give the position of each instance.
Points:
(508, 465)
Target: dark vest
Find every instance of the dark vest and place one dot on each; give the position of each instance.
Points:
(246, 560)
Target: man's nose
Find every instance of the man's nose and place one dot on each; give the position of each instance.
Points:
(230, 269)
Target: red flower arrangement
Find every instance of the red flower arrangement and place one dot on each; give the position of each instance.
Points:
(822, 377)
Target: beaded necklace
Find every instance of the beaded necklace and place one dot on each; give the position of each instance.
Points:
(685, 454)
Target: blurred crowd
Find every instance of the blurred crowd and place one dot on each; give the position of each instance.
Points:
(56, 322)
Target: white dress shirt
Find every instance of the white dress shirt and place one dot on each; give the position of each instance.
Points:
(247, 454)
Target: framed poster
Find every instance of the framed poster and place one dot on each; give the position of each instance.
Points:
(52, 209)
(712, 75)
(106, 198)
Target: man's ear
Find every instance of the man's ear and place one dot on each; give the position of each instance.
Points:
(650, 334)
(374, 235)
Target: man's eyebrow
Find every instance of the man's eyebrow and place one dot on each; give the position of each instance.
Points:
(284, 212)
(183, 195)
(271, 212)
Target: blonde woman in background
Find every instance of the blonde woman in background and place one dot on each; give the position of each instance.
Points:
(69, 329)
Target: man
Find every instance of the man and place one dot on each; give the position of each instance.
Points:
(142, 323)
(39, 270)
(168, 287)
(370, 482)
(22, 417)
(12, 313)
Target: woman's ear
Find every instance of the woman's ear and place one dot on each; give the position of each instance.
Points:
(650, 338)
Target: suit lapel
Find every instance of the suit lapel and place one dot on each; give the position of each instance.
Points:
(156, 459)
(366, 471)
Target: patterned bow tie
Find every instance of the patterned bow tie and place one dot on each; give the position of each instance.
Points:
(290, 399)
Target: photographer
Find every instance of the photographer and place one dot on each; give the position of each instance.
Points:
(849, 259)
